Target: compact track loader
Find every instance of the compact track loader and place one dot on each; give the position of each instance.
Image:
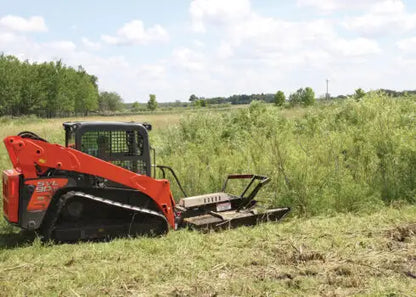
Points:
(102, 184)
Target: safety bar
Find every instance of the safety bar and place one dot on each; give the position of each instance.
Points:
(263, 180)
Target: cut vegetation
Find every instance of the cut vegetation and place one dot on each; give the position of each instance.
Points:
(370, 255)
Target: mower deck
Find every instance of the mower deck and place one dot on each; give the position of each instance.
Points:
(233, 218)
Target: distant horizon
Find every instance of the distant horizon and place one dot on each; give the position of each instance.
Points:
(317, 96)
(215, 48)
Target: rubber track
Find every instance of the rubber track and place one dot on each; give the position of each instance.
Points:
(55, 209)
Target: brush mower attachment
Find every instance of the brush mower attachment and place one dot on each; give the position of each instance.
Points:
(223, 211)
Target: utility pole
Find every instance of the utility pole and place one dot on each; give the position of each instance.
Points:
(327, 90)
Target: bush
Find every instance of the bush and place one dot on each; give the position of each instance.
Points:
(279, 98)
(305, 97)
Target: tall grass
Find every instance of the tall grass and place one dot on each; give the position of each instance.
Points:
(336, 157)
(340, 157)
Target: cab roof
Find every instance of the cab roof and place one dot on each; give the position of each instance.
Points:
(79, 124)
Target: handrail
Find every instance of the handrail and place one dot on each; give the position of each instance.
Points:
(162, 168)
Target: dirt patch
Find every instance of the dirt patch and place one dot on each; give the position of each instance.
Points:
(337, 279)
(402, 233)
(308, 272)
(306, 256)
(343, 270)
(181, 292)
(300, 254)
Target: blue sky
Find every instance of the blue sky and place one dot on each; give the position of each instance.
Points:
(218, 48)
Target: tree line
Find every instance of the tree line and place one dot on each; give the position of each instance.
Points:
(51, 89)
(234, 99)
(303, 96)
(46, 89)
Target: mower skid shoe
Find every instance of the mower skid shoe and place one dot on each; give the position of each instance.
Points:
(233, 219)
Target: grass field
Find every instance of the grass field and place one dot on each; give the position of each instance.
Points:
(346, 235)
(370, 255)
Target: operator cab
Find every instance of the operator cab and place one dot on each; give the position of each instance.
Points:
(123, 144)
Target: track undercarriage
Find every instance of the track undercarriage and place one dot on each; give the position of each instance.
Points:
(80, 216)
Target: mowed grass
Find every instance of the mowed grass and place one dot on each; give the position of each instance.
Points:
(346, 255)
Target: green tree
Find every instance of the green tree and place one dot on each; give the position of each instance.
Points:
(296, 98)
(135, 107)
(67, 91)
(359, 93)
(308, 97)
(10, 85)
(193, 98)
(279, 98)
(110, 101)
(152, 103)
(86, 99)
(47, 89)
(49, 79)
(302, 96)
(200, 103)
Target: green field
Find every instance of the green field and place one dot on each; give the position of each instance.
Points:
(347, 169)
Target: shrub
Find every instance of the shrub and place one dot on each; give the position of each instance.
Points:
(279, 98)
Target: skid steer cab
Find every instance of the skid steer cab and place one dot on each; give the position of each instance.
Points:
(102, 184)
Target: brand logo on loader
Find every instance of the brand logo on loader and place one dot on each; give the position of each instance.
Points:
(46, 186)
(43, 192)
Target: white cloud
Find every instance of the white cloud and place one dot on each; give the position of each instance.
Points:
(408, 64)
(225, 50)
(256, 52)
(388, 7)
(134, 33)
(90, 45)
(281, 42)
(407, 45)
(26, 48)
(63, 45)
(152, 71)
(356, 47)
(189, 59)
(217, 12)
(326, 5)
(7, 37)
(332, 5)
(19, 24)
(249, 36)
(198, 43)
(387, 16)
